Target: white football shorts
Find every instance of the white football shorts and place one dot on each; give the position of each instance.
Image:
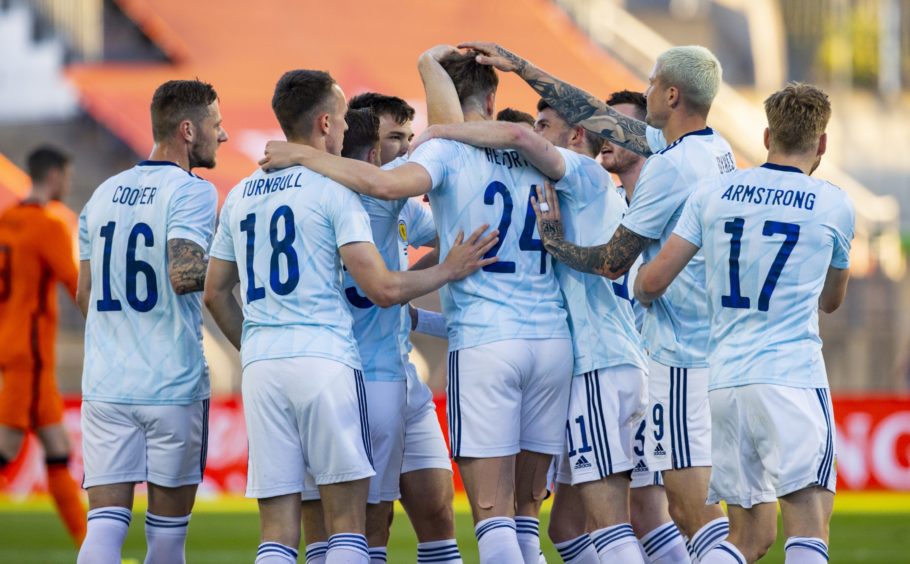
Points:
(770, 441)
(679, 419)
(604, 410)
(424, 445)
(385, 407)
(164, 445)
(508, 396)
(642, 476)
(307, 424)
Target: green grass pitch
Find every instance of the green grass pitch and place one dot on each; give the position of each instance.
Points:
(873, 530)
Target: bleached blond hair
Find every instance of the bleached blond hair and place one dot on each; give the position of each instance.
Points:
(694, 71)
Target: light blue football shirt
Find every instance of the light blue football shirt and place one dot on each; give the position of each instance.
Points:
(517, 297)
(601, 321)
(143, 342)
(768, 235)
(417, 229)
(284, 229)
(675, 329)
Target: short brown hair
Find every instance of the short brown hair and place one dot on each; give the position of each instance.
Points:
(593, 142)
(43, 160)
(515, 116)
(362, 134)
(299, 96)
(381, 104)
(636, 99)
(178, 100)
(471, 79)
(797, 117)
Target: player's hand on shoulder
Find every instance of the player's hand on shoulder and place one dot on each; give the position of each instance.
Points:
(494, 55)
(467, 256)
(546, 207)
(281, 154)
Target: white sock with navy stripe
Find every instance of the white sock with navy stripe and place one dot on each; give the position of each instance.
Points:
(275, 553)
(107, 527)
(708, 537)
(166, 539)
(805, 550)
(378, 555)
(617, 544)
(315, 552)
(665, 545)
(497, 541)
(442, 551)
(527, 530)
(579, 550)
(723, 553)
(347, 548)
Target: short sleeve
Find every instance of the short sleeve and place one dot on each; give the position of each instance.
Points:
(656, 140)
(689, 225)
(223, 243)
(85, 244)
(843, 227)
(421, 228)
(436, 155)
(655, 199)
(584, 178)
(191, 214)
(349, 219)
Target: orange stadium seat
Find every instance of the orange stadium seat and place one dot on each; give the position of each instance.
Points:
(243, 48)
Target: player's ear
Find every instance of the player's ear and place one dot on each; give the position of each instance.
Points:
(822, 144)
(673, 96)
(323, 122)
(491, 104)
(767, 138)
(187, 130)
(373, 156)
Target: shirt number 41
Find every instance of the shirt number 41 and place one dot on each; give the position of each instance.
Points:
(735, 228)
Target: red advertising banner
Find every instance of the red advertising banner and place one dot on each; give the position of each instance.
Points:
(873, 442)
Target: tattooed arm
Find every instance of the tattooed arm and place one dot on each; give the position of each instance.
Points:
(186, 265)
(574, 104)
(611, 260)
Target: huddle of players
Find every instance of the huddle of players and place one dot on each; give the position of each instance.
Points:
(531, 339)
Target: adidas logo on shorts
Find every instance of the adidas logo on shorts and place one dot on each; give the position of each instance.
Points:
(640, 467)
(659, 450)
(582, 463)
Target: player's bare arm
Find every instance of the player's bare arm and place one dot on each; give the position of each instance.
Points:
(404, 181)
(84, 286)
(834, 290)
(574, 104)
(501, 135)
(220, 280)
(187, 264)
(655, 277)
(386, 288)
(612, 260)
(442, 98)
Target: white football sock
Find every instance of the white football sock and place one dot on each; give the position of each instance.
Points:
(723, 553)
(107, 528)
(665, 545)
(315, 552)
(617, 544)
(709, 536)
(497, 541)
(165, 538)
(579, 550)
(805, 550)
(443, 551)
(527, 530)
(347, 548)
(378, 555)
(275, 553)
